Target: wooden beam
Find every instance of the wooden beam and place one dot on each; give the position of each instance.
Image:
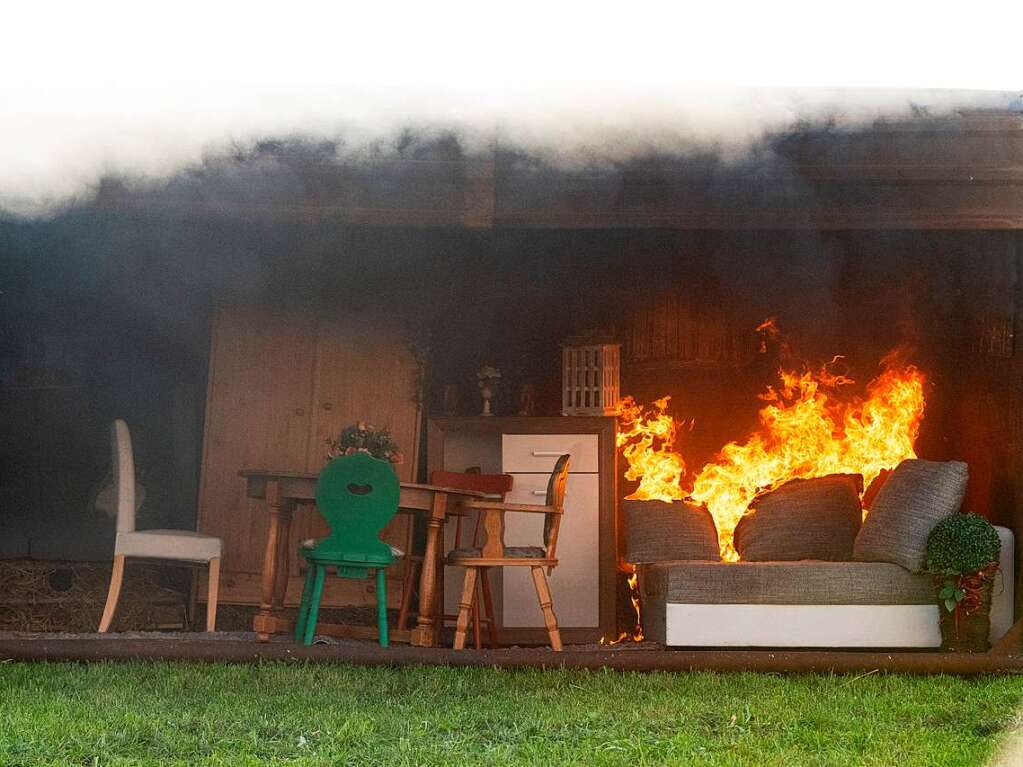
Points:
(626, 658)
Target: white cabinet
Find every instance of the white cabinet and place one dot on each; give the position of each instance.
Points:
(584, 583)
(574, 582)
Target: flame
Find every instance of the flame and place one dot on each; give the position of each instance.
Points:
(647, 441)
(636, 635)
(809, 427)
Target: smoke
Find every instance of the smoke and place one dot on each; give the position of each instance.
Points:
(141, 92)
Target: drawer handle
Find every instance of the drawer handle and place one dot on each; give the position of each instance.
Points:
(538, 492)
(547, 453)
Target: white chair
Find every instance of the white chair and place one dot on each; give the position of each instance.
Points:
(177, 545)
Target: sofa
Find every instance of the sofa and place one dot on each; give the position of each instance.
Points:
(690, 598)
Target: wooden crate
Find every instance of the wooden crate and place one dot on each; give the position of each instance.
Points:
(590, 378)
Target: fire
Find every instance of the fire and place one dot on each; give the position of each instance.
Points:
(647, 441)
(636, 634)
(809, 427)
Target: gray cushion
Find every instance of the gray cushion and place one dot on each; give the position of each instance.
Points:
(803, 519)
(916, 496)
(514, 552)
(786, 583)
(658, 531)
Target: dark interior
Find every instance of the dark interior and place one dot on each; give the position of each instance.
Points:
(107, 306)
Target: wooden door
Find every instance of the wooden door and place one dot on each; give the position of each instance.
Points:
(363, 372)
(258, 415)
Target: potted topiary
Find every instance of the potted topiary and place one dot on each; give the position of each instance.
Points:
(962, 553)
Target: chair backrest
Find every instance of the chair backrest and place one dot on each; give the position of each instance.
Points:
(491, 484)
(357, 496)
(124, 475)
(556, 498)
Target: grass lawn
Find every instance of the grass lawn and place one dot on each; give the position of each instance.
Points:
(276, 713)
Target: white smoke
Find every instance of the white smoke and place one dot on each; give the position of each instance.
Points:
(146, 89)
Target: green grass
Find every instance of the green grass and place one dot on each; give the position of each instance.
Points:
(277, 713)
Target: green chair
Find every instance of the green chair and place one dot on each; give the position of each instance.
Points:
(357, 495)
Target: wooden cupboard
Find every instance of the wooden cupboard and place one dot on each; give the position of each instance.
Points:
(280, 384)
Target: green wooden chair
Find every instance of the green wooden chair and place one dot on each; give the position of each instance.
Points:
(357, 495)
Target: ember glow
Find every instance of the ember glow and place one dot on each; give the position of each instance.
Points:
(812, 425)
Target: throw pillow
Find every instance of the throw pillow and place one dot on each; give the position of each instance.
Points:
(916, 496)
(814, 518)
(658, 531)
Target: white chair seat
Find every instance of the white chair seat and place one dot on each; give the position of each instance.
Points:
(310, 543)
(168, 544)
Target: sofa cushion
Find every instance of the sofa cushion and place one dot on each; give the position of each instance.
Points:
(803, 519)
(658, 530)
(786, 583)
(916, 496)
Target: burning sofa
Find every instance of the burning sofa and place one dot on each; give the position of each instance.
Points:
(813, 571)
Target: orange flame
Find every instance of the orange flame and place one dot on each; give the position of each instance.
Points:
(647, 441)
(636, 634)
(806, 429)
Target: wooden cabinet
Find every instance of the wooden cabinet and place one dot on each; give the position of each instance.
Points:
(584, 582)
(279, 386)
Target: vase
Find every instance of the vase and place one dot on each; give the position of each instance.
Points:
(486, 393)
(962, 632)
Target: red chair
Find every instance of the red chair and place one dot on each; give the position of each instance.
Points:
(496, 485)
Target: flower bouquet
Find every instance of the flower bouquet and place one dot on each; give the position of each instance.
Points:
(365, 438)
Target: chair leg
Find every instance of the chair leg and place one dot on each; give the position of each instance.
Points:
(544, 595)
(116, 577)
(476, 599)
(464, 605)
(314, 603)
(382, 606)
(303, 605)
(213, 595)
(488, 606)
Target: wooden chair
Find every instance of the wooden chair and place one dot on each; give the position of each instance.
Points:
(175, 545)
(357, 495)
(494, 553)
(497, 485)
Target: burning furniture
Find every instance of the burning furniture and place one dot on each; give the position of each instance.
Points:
(825, 588)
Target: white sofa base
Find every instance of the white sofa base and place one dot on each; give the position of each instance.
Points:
(839, 626)
(802, 625)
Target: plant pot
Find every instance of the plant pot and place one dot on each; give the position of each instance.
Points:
(962, 632)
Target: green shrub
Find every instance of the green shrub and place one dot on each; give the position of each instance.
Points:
(962, 544)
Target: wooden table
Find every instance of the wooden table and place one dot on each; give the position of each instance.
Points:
(284, 490)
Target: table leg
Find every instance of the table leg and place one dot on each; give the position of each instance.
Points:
(283, 561)
(280, 508)
(425, 632)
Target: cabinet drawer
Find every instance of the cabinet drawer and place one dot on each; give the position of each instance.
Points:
(537, 453)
